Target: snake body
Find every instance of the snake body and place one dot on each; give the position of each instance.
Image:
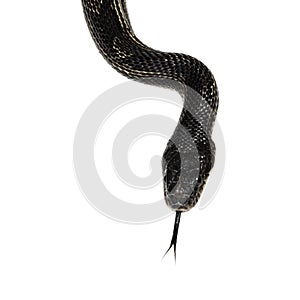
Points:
(190, 152)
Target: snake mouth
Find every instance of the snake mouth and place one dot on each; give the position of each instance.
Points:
(184, 199)
(179, 202)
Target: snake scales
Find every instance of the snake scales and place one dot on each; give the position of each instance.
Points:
(190, 152)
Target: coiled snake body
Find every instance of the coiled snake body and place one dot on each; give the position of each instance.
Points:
(189, 155)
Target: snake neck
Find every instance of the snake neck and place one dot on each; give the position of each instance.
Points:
(112, 33)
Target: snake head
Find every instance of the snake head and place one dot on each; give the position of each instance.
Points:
(184, 176)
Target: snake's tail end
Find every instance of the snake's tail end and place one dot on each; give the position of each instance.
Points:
(175, 233)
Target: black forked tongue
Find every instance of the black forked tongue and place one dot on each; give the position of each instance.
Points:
(175, 233)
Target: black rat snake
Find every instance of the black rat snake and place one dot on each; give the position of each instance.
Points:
(190, 152)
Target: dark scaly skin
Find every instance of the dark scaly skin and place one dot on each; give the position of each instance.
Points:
(190, 152)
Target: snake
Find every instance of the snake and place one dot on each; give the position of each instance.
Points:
(190, 152)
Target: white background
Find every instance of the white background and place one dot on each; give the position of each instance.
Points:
(245, 245)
